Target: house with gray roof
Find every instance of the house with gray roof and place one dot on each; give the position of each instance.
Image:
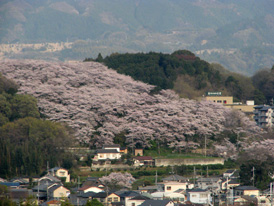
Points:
(157, 203)
(58, 191)
(212, 183)
(137, 200)
(246, 190)
(49, 178)
(199, 196)
(176, 178)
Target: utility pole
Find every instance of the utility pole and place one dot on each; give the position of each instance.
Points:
(156, 180)
(194, 170)
(253, 171)
(227, 191)
(271, 193)
(47, 190)
(78, 182)
(132, 146)
(48, 167)
(205, 145)
(38, 190)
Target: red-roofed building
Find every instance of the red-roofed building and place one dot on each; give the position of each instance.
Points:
(53, 203)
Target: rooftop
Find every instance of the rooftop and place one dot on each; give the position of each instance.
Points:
(143, 158)
(107, 151)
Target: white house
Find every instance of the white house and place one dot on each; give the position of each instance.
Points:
(199, 196)
(172, 186)
(104, 154)
(213, 183)
(174, 196)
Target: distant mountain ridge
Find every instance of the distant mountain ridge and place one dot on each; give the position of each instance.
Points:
(237, 34)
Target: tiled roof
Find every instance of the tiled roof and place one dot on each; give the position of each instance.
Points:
(140, 197)
(20, 193)
(174, 178)
(10, 184)
(51, 189)
(229, 171)
(127, 193)
(155, 203)
(88, 194)
(143, 158)
(85, 187)
(107, 151)
(246, 188)
(50, 177)
(197, 190)
(100, 195)
(111, 145)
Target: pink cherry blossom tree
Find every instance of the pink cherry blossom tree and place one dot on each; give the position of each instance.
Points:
(118, 180)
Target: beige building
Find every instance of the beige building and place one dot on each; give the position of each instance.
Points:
(58, 191)
(220, 99)
(227, 101)
(138, 152)
(112, 198)
(60, 173)
(246, 190)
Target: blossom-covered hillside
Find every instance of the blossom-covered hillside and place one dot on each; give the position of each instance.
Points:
(100, 105)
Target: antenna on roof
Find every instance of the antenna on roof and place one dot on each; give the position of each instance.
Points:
(253, 178)
(78, 182)
(48, 167)
(156, 176)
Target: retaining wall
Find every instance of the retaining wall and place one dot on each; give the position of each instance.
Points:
(189, 161)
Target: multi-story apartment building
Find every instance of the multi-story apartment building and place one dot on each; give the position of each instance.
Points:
(264, 115)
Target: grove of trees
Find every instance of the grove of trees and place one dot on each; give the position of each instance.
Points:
(185, 73)
(28, 142)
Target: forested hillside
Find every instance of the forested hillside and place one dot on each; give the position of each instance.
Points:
(28, 142)
(102, 106)
(185, 73)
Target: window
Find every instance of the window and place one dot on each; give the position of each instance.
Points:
(203, 195)
(115, 199)
(168, 188)
(219, 101)
(110, 199)
(132, 204)
(194, 195)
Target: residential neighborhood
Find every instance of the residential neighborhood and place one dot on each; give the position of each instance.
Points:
(171, 190)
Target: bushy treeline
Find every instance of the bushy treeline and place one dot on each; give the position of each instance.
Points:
(182, 71)
(27, 142)
(161, 69)
(264, 81)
